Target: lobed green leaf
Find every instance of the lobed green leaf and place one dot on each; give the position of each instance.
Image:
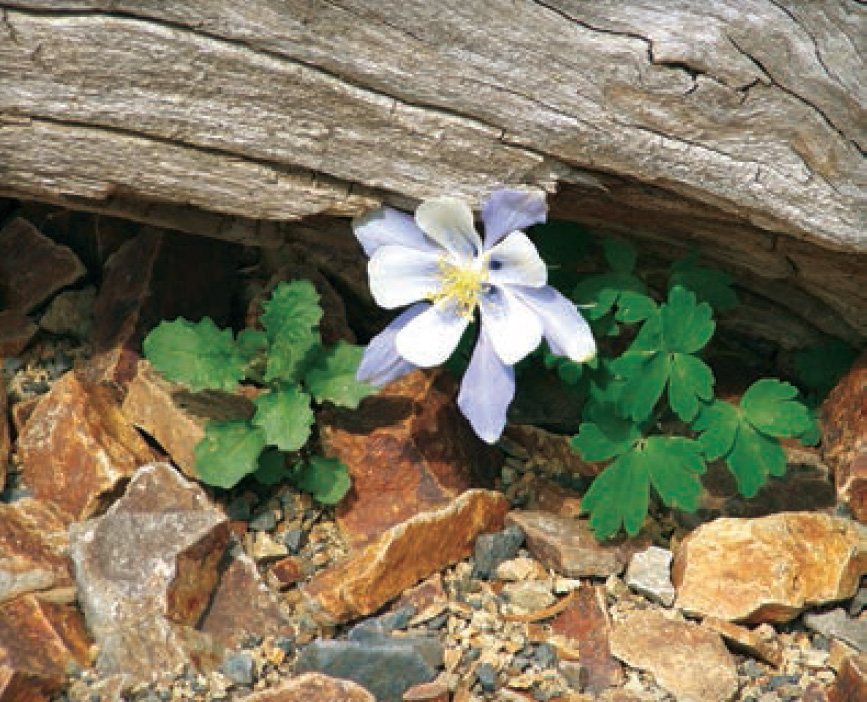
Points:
(284, 415)
(327, 479)
(292, 310)
(686, 325)
(332, 379)
(228, 451)
(708, 284)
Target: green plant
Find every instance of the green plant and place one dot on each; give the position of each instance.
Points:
(651, 410)
(291, 367)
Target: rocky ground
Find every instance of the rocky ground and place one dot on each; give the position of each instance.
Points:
(451, 572)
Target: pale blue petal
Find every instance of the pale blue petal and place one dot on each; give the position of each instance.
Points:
(400, 275)
(388, 226)
(430, 338)
(565, 329)
(515, 261)
(449, 222)
(381, 363)
(514, 328)
(487, 390)
(510, 209)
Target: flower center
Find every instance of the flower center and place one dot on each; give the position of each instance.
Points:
(461, 285)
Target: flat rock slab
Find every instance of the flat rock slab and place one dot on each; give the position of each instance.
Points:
(768, 569)
(690, 662)
(568, 546)
(839, 625)
(402, 556)
(649, 573)
(16, 331)
(763, 642)
(146, 573)
(851, 683)
(313, 686)
(32, 266)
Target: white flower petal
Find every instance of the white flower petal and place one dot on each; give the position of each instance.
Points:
(381, 364)
(430, 338)
(510, 209)
(515, 261)
(565, 329)
(449, 222)
(400, 275)
(386, 226)
(487, 389)
(514, 330)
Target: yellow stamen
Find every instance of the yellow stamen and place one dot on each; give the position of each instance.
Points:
(460, 285)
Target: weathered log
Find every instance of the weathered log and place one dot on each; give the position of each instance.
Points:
(737, 124)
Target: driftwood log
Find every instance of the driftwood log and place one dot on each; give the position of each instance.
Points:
(735, 124)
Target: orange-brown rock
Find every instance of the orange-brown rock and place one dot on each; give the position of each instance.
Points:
(38, 641)
(313, 686)
(768, 569)
(176, 417)
(5, 437)
(436, 691)
(32, 266)
(408, 450)
(851, 683)
(569, 547)
(77, 448)
(287, 571)
(402, 556)
(16, 331)
(690, 662)
(548, 496)
(155, 276)
(585, 626)
(33, 541)
(844, 437)
(762, 642)
(552, 449)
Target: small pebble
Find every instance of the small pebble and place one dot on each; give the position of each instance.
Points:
(487, 676)
(239, 668)
(545, 655)
(294, 539)
(264, 521)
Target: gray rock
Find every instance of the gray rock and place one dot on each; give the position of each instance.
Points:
(265, 520)
(71, 313)
(239, 668)
(487, 676)
(493, 549)
(649, 574)
(837, 624)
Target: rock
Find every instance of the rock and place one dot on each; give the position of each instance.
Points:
(528, 596)
(649, 574)
(688, 661)
(156, 276)
(32, 266)
(436, 691)
(313, 686)
(33, 544)
(265, 549)
(38, 642)
(586, 627)
(16, 331)
(76, 448)
(427, 599)
(287, 571)
(146, 573)
(70, 313)
(403, 556)
(491, 550)
(837, 624)
(851, 683)
(175, 416)
(768, 569)
(239, 668)
(518, 569)
(387, 666)
(844, 437)
(762, 642)
(552, 449)
(408, 449)
(548, 496)
(5, 436)
(569, 547)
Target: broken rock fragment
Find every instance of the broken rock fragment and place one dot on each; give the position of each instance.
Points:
(16, 331)
(313, 686)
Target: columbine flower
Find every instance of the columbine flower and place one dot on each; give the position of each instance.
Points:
(438, 261)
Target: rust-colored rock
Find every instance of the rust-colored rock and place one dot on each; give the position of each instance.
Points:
(77, 448)
(38, 641)
(844, 438)
(32, 266)
(313, 686)
(762, 642)
(851, 683)
(33, 541)
(287, 571)
(158, 275)
(404, 555)
(408, 450)
(436, 691)
(569, 547)
(553, 449)
(548, 496)
(147, 571)
(585, 626)
(690, 662)
(16, 331)
(768, 569)
(176, 417)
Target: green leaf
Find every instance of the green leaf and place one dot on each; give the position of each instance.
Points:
(598, 293)
(719, 422)
(252, 343)
(753, 458)
(327, 479)
(228, 451)
(646, 377)
(708, 284)
(272, 467)
(686, 325)
(292, 310)
(607, 436)
(285, 417)
(292, 355)
(674, 464)
(197, 354)
(770, 406)
(633, 307)
(620, 255)
(690, 381)
(333, 377)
